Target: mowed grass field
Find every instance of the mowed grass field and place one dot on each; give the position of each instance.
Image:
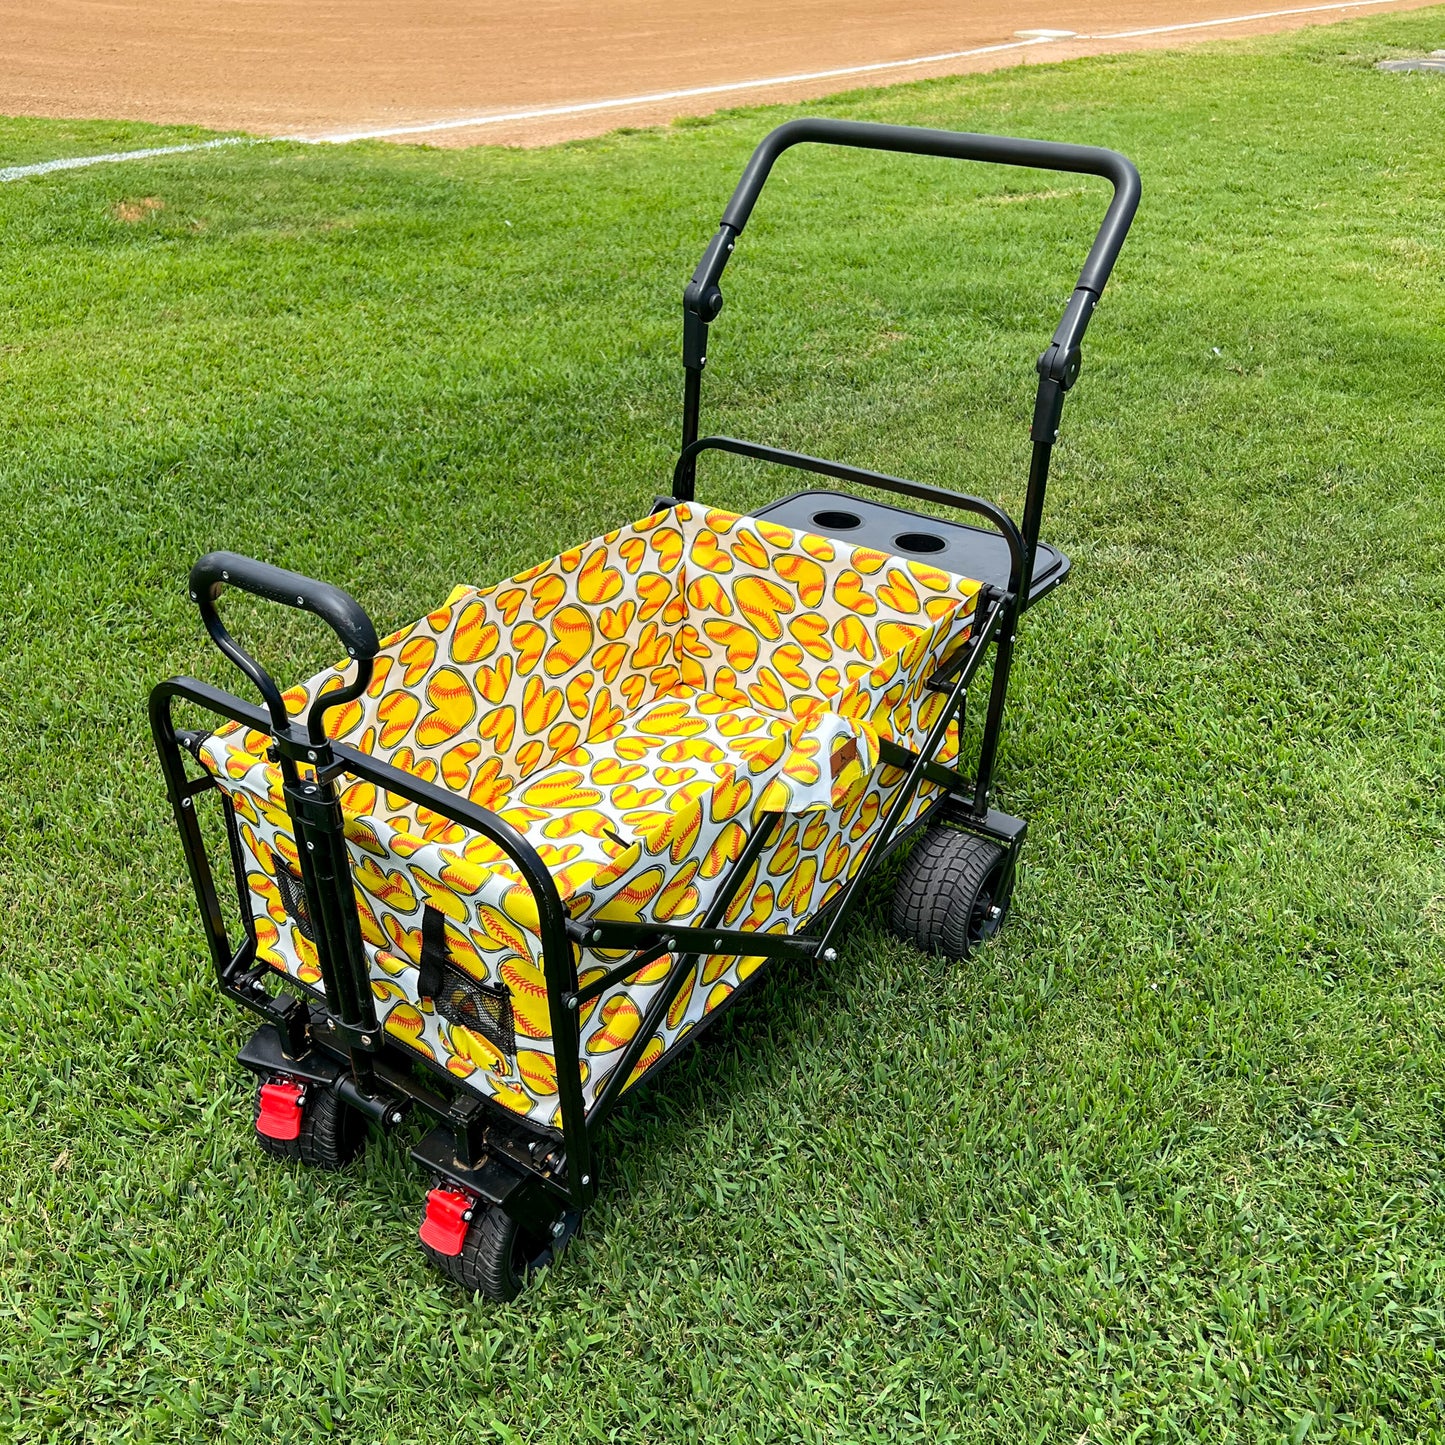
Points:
(1167, 1161)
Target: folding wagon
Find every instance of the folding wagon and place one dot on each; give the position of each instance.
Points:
(502, 864)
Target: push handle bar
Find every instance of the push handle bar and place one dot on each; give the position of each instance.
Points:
(703, 298)
(962, 146)
(339, 610)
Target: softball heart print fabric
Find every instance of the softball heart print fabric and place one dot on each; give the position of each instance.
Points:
(633, 707)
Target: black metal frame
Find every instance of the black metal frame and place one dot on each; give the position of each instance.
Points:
(543, 1176)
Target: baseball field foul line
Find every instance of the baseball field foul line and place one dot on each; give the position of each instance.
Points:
(589, 107)
(627, 102)
(1230, 20)
(70, 163)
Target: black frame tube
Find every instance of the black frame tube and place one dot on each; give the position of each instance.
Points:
(955, 145)
(1003, 609)
(339, 610)
(558, 955)
(559, 958)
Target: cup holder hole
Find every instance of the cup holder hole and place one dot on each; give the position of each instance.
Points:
(919, 542)
(837, 521)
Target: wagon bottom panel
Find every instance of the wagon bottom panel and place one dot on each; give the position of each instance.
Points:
(635, 708)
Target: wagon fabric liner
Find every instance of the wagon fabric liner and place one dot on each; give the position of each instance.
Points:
(632, 707)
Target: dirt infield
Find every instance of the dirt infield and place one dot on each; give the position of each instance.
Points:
(338, 67)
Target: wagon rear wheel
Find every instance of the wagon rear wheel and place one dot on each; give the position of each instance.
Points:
(953, 893)
(496, 1257)
(331, 1134)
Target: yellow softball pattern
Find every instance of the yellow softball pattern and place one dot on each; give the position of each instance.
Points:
(632, 706)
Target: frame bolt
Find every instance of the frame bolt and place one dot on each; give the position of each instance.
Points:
(394, 1118)
(587, 1179)
(596, 935)
(310, 846)
(830, 955)
(559, 1229)
(572, 1000)
(312, 755)
(366, 1039)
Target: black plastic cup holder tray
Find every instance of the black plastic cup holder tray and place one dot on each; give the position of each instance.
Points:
(954, 546)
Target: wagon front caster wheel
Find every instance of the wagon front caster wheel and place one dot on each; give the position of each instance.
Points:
(483, 1249)
(953, 893)
(308, 1122)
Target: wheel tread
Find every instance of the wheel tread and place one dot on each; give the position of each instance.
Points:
(933, 900)
(332, 1133)
(485, 1264)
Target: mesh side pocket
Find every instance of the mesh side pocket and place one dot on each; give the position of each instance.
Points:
(485, 1008)
(293, 898)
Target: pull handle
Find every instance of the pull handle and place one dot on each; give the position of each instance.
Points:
(339, 610)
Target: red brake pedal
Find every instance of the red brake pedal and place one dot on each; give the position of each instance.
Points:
(445, 1222)
(280, 1114)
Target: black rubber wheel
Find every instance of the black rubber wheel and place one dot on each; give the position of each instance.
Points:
(496, 1258)
(331, 1136)
(953, 893)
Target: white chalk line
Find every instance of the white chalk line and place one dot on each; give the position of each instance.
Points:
(70, 163)
(657, 97)
(632, 102)
(1234, 20)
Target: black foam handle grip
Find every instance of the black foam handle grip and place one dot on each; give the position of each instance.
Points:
(339, 610)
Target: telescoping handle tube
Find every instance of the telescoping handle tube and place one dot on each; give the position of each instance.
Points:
(339, 610)
(1058, 367)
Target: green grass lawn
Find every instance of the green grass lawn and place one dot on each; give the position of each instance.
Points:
(1168, 1160)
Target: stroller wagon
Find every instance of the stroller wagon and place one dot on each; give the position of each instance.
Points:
(499, 865)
